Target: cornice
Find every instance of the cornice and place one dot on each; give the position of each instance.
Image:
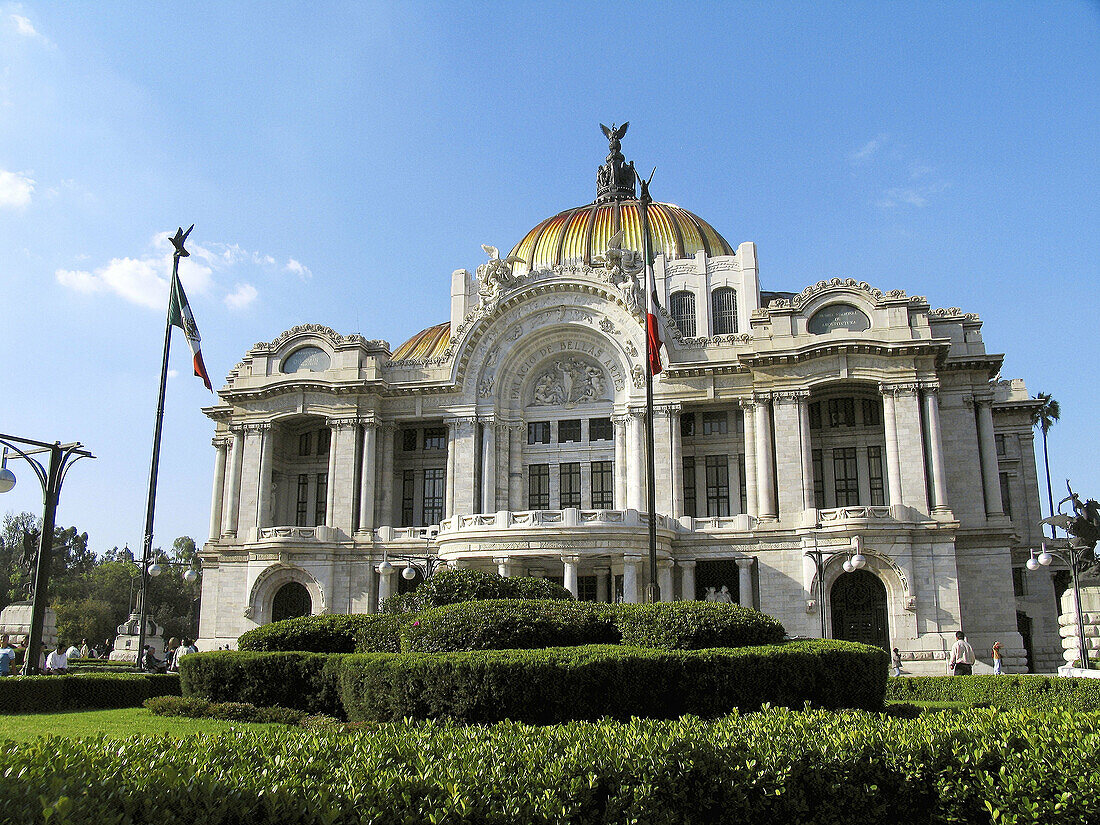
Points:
(938, 348)
(876, 296)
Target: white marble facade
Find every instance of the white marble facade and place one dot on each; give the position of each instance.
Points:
(513, 440)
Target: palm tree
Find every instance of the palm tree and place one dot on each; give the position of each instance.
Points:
(1045, 417)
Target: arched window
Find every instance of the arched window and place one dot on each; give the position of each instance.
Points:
(682, 305)
(723, 319)
(291, 601)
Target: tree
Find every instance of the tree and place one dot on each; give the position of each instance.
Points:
(1044, 417)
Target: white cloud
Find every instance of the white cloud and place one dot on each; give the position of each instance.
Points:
(296, 267)
(15, 189)
(241, 297)
(911, 195)
(24, 26)
(868, 149)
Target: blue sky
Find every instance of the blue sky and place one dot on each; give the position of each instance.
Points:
(339, 160)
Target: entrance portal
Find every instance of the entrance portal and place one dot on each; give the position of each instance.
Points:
(859, 609)
(291, 601)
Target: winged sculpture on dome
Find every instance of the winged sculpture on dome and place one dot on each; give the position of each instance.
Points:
(494, 275)
(623, 267)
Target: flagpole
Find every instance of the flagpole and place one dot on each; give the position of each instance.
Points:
(653, 591)
(151, 500)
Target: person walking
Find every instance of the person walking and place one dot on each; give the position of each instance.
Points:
(962, 656)
(895, 661)
(997, 659)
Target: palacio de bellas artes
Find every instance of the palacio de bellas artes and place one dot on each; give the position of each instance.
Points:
(842, 456)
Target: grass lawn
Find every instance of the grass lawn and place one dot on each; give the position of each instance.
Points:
(117, 724)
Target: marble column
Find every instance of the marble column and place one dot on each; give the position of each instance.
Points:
(263, 498)
(907, 418)
(744, 582)
(765, 472)
(385, 586)
(504, 566)
(620, 423)
(452, 449)
(666, 474)
(602, 577)
(516, 436)
(636, 462)
(221, 449)
(233, 505)
(464, 468)
(748, 416)
(893, 458)
(385, 477)
(664, 579)
(488, 466)
(367, 473)
(570, 577)
(631, 564)
(330, 504)
(789, 459)
(991, 479)
(809, 502)
(687, 579)
(935, 449)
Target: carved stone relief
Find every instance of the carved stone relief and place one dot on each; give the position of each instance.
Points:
(569, 381)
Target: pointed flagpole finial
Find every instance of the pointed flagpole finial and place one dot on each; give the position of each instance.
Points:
(178, 240)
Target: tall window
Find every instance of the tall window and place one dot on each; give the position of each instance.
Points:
(819, 479)
(408, 440)
(320, 501)
(718, 485)
(302, 513)
(435, 483)
(603, 485)
(872, 411)
(538, 487)
(435, 438)
(324, 438)
(874, 465)
(408, 497)
(304, 443)
(569, 490)
(687, 425)
(846, 477)
(682, 305)
(690, 507)
(600, 429)
(1006, 497)
(999, 440)
(742, 484)
(569, 431)
(538, 432)
(842, 412)
(715, 423)
(723, 310)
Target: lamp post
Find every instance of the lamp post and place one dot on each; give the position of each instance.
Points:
(855, 561)
(1075, 557)
(152, 565)
(62, 457)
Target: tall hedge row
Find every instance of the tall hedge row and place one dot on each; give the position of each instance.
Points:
(773, 767)
(1000, 691)
(45, 694)
(303, 681)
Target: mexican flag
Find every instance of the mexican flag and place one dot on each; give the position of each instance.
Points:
(179, 315)
(653, 334)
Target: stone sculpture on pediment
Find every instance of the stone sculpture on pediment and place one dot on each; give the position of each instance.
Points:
(493, 276)
(622, 267)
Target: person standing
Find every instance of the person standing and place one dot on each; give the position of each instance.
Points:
(7, 656)
(895, 661)
(962, 656)
(997, 659)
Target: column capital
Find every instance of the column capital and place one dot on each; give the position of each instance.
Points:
(571, 559)
(760, 399)
(687, 564)
(620, 420)
(388, 427)
(745, 562)
(664, 564)
(369, 422)
(930, 386)
(900, 389)
(253, 427)
(220, 441)
(667, 410)
(632, 558)
(790, 396)
(462, 423)
(342, 423)
(499, 560)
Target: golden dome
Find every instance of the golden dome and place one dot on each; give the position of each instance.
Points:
(578, 236)
(428, 343)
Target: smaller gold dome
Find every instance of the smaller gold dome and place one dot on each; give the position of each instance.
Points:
(428, 343)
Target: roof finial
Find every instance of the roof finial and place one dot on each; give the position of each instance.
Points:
(616, 178)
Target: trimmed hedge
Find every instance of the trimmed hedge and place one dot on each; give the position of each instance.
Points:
(1015, 691)
(509, 624)
(383, 633)
(696, 625)
(44, 694)
(298, 680)
(451, 586)
(329, 633)
(773, 767)
(555, 685)
(194, 708)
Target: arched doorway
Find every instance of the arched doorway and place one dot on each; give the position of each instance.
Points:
(291, 600)
(859, 609)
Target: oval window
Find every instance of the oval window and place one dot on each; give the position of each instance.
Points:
(838, 316)
(306, 359)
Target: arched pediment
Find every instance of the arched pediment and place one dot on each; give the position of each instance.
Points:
(267, 584)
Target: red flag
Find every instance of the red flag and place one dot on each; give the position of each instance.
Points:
(179, 315)
(653, 335)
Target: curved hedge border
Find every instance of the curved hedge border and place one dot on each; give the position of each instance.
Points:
(328, 633)
(555, 685)
(773, 767)
(463, 584)
(44, 694)
(696, 625)
(298, 680)
(1015, 691)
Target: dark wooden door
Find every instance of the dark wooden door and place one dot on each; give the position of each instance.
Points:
(859, 609)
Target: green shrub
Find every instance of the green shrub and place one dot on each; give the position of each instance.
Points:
(195, 708)
(509, 624)
(559, 684)
(1015, 691)
(42, 694)
(328, 633)
(302, 681)
(451, 586)
(189, 706)
(697, 625)
(382, 634)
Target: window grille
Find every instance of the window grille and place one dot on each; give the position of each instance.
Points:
(570, 487)
(718, 485)
(569, 431)
(724, 311)
(435, 484)
(603, 485)
(682, 305)
(538, 487)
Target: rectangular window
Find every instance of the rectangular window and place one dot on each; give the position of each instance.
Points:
(1019, 582)
(320, 501)
(569, 490)
(718, 485)
(408, 497)
(586, 588)
(435, 488)
(435, 438)
(603, 485)
(569, 431)
(742, 483)
(846, 476)
(715, 423)
(842, 412)
(305, 443)
(874, 470)
(815, 415)
(538, 432)
(872, 411)
(538, 487)
(1006, 494)
(600, 429)
(687, 425)
(690, 507)
(302, 512)
(408, 440)
(999, 439)
(819, 479)
(324, 438)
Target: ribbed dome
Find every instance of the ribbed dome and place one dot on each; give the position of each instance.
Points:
(428, 343)
(578, 236)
